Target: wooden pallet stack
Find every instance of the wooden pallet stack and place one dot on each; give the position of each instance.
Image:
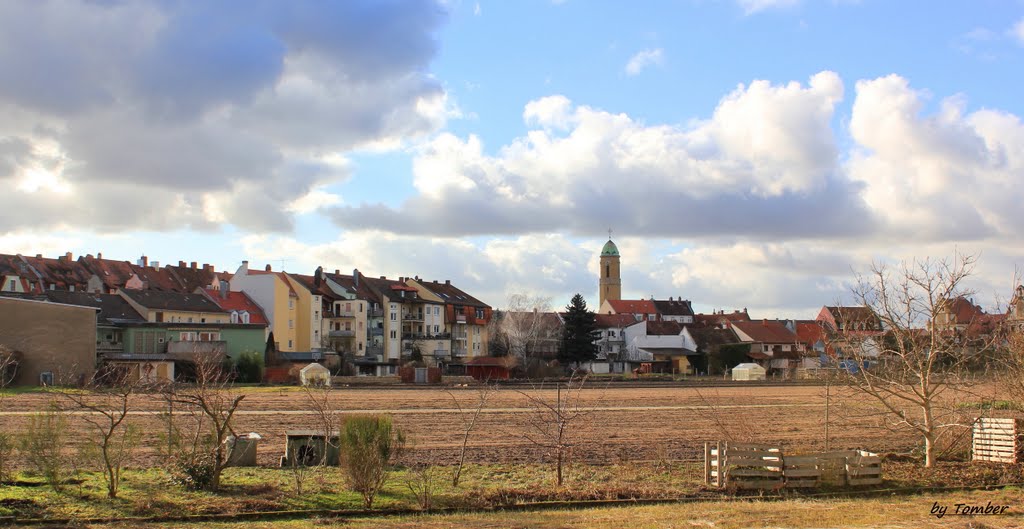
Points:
(996, 439)
(749, 466)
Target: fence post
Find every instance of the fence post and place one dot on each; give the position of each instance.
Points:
(707, 463)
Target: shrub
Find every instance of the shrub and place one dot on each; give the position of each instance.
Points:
(193, 471)
(368, 445)
(42, 446)
(249, 367)
(6, 453)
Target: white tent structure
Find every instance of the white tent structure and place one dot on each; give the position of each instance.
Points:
(315, 375)
(748, 372)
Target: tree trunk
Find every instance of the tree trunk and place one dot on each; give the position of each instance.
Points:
(559, 463)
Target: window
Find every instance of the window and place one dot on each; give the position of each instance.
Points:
(607, 270)
(437, 311)
(437, 329)
(291, 324)
(360, 326)
(348, 326)
(190, 319)
(209, 336)
(289, 344)
(650, 317)
(12, 285)
(234, 316)
(245, 316)
(291, 304)
(316, 314)
(394, 316)
(202, 320)
(187, 336)
(393, 335)
(479, 314)
(360, 346)
(348, 307)
(360, 307)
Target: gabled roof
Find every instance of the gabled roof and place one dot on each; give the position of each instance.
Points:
(114, 274)
(310, 283)
(664, 328)
(721, 316)
(809, 333)
(633, 306)
(608, 321)
(113, 308)
(766, 331)
(280, 275)
(189, 279)
(361, 290)
(452, 295)
(156, 300)
(710, 337)
(673, 307)
(61, 272)
(963, 310)
(383, 286)
(237, 301)
(852, 314)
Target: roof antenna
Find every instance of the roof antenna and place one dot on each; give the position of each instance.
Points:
(609, 234)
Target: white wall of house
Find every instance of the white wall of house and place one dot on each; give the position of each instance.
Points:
(259, 287)
(12, 283)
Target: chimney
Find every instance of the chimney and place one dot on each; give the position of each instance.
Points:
(69, 257)
(245, 265)
(207, 267)
(337, 272)
(181, 264)
(355, 276)
(156, 264)
(267, 268)
(448, 281)
(39, 256)
(193, 265)
(764, 322)
(670, 298)
(99, 255)
(383, 277)
(224, 288)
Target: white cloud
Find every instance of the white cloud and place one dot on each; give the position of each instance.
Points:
(754, 6)
(769, 148)
(643, 59)
(1018, 31)
(317, 198)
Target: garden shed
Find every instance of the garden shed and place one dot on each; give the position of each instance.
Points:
(748, 371)
(315, 375)
(310, 448)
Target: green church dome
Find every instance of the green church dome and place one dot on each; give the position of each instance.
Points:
(610, 249)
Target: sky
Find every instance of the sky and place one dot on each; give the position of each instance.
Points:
(744, 153)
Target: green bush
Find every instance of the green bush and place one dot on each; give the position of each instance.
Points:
(42, 447)
(249, 367)
(368, 445)
(193, 471)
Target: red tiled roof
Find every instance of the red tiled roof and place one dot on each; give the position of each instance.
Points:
(633, 306)
(766, 331)
(60, 272)
(606, 321)
(964, 312)
(809, 333)
(238, 301)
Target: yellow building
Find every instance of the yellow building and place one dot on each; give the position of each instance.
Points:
(465, 319)
(174, 307)
(273, 292)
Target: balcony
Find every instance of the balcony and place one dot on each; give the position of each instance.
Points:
(374, 350)
(342, 334)
(460, 352)
(459, 336)
(109, 347)
(412, 316)
(376, 331)
(344, 314)
(460, 318)
(375, 313)
(440, 353)
(186, 350)
(426, 336)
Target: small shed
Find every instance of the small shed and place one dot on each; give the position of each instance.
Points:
(491, 367)
(309, 448)
(315, 375)
(749, 371)
(242, 449)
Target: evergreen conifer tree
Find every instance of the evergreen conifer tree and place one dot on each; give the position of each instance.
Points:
(579, 335)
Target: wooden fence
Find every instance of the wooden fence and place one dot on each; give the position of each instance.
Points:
(749, 466)
(996, 440)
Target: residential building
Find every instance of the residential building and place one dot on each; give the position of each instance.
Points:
(62, 273)
(720, 318)
(613, 334)
(665, 345)
(54, 343)
(465, 319)
(273, 292)
(857, 320)
(678, 310)
(352, 321)
(308, 312)
(640, 309)
(773, 345)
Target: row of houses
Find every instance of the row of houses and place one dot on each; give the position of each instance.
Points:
(155, 318)
(667, 336)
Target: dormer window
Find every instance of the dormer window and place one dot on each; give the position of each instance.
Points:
(234, 316)
(245, 316)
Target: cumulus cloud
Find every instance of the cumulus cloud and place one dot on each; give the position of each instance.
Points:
(209, 115)
(1018, 31)
(764, 162)
(643, 59)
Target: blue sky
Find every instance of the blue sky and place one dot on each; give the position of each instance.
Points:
(746, 153)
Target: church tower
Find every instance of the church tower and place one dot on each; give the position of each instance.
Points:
(610, 285)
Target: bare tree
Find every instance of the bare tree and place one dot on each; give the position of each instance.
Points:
(469, 418)
(523, 324)
(552, 423)
(104, 404)
(212, 402)
(917, 367)
(327, 420)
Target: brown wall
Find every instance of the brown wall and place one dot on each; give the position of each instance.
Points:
(50, 337)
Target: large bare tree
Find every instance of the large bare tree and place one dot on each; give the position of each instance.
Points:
(917, 368)
(522, 325)
(554, 420)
